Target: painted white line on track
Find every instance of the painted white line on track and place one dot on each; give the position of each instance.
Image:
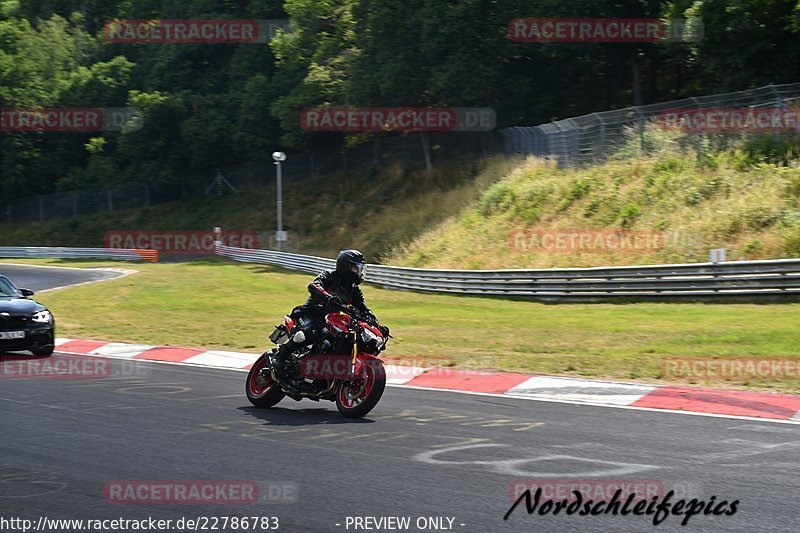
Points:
(219, 359)
(120, 350)
(581, 391)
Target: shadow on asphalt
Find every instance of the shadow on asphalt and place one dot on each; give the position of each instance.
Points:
(280, 416)
(16, 356)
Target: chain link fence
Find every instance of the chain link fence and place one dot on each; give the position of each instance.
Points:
(592, 138)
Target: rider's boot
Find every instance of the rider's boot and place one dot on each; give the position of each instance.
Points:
(283, 355)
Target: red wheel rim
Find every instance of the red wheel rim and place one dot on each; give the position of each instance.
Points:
(351, 396)
(257, 385)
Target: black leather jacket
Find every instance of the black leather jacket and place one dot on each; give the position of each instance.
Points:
(330, 283)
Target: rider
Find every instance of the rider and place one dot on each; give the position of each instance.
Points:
(330, 291)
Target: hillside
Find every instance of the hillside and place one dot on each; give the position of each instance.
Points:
(499, 213)
(373, 211)
(745, 200)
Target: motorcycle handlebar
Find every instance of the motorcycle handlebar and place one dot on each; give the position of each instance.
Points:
(352, 311)
(348, 309)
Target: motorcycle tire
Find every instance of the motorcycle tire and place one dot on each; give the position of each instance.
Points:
(357, 403)
(262, 392)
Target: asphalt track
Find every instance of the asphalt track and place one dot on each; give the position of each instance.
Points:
(419, 454)
(43, 278)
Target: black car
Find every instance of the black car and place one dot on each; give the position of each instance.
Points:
(24, 324)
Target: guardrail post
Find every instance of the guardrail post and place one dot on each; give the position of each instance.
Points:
(601, 150)
(698, 136)
(640, 123)
(717, 255)
(110, 197)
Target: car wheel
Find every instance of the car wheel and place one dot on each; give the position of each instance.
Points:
(44, 352)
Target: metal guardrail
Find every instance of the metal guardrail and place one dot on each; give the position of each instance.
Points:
(60, 252)
(746, 280)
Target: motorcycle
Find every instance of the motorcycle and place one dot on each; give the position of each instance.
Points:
(342, 366)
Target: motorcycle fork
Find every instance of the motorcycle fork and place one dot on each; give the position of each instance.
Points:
(355, 355)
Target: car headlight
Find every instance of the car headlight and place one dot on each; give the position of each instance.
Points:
(43, 317)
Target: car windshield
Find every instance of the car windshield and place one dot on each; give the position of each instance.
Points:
(7, 289)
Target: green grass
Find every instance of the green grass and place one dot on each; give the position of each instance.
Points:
(217, 304)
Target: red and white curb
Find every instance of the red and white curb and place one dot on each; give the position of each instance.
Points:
(733, 403)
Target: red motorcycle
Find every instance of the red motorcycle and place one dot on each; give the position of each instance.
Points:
(342, 366)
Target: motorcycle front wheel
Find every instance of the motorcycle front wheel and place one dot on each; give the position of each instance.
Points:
(356, 399)
(261, 389)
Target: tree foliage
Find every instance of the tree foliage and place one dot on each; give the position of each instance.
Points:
(207, 105)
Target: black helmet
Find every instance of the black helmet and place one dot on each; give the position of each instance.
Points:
(351, 266)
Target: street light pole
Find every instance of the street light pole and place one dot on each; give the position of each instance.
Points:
(280, 207)
(279, 158)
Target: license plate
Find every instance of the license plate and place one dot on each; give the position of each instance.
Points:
(7, 335)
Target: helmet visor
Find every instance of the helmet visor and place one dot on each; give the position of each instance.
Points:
(359, 269)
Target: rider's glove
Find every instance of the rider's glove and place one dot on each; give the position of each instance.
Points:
(384, 330)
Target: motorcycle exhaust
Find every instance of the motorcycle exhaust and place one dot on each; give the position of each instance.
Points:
(294, 393)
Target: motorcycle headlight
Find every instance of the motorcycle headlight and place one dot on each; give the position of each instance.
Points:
(368, 336)
(43, 317)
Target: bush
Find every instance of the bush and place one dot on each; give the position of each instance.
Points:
(769, 148)
(498, 197)
(629, 213)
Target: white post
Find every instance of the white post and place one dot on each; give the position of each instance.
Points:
(217, 238)
(280, 235)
